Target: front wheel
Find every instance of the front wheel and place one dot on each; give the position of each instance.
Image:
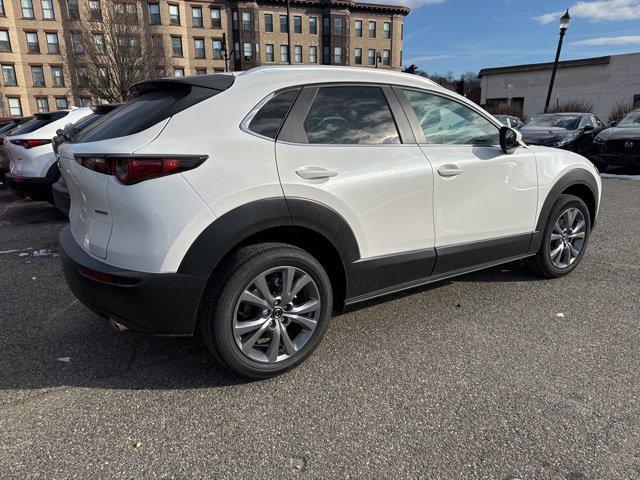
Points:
(269, 309)
(564, 240)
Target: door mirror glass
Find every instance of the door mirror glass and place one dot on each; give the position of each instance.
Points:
(508, 139)
(588, 128)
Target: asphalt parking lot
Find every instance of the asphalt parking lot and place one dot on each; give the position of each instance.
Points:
(496, 374)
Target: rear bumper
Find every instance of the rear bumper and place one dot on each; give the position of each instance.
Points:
(37, 188)
(61, 197)
(154, 303)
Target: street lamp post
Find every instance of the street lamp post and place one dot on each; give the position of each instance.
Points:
(564, 24)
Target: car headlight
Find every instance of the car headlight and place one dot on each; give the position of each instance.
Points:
(561, 142)
(599, 140)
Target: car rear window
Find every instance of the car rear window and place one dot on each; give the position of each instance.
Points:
(39, 121)
(144, 111)
(5, 127)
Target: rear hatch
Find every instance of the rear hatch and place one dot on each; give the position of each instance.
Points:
(122, 132)
(38, 121)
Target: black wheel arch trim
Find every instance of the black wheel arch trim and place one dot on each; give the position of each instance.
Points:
(574, 177)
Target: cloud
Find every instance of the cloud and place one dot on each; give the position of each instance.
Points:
(408, 3)
(623, 40)
(427, 58)
(597, 11)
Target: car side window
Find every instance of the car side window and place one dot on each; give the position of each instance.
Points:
(447, 122)
(268, 120)
(351, 115)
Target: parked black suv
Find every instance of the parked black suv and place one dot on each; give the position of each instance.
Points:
(619, 146)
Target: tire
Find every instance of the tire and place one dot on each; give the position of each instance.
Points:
(228, 310)
(547, 262)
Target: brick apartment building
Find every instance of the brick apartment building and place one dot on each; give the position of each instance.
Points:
(34, 34)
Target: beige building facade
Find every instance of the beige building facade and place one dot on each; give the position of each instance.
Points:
(199, 36)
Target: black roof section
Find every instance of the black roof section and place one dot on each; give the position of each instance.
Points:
(215, 81)
(583, 62)
(105, 107)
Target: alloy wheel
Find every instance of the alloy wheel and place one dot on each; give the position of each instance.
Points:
(276, 314)
(567, 238)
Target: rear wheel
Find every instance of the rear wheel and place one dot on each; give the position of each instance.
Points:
(564, 240)
(268, 311)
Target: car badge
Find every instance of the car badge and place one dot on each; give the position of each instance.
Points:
(628, 145)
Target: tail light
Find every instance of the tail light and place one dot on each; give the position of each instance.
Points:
(135, 169)
(31, 143)
(1, 141)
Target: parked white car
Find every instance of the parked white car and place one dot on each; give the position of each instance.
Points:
(32, 163)
(250, 207)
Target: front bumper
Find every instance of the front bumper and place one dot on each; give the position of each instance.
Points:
(154, 303)
(61, 197)
(616, 159)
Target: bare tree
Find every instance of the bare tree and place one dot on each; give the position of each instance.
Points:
(107, 60)
(573, 105)
(619, 110)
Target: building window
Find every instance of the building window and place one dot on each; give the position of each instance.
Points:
(268, 22)
(313, 54)
(83, 76)
(103, 76)
(15, 107)
(234, 20)
(358, 28)
(5, 44)
(326, 55)
(2, 12)
(27, 8)
(297, 53)
(85, 102)
(198, 45)
(313, 25)
(37, 73)
(201, 71)
(176, 46)
(386, 30)
(76, 43)
(154, 14)
(217, 49)
(95, 12)
(62, 103)
(357, 56)
(9, 75)
(42, 104)
(247, 51)
(284, 24)
(58, 77)
(174, 15)
(33, 44)
(98, 39)
(325, 25)
(337, 55)
(178, 71)
(73, 9)
(216, 22)
(269, 50)
(372, 29)
(338, 26)
(297, 24)
(47, 10)
(372, 56)
(246, 21)
(196, 17)
(385, 57)
(52, 43)
(284, 53)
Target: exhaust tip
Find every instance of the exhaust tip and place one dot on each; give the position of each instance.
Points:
(118, 326)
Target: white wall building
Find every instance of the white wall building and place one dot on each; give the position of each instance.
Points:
(602, 80)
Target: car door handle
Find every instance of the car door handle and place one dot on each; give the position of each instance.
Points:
(315, 173)
(450, 171)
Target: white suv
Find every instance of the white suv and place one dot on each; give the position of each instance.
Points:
(249, 207)
(32, 162)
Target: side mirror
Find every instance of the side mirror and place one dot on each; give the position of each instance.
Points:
(509, 139)
(59, 132)
(588, 128)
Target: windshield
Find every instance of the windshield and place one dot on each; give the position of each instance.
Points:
(562, 122)
(631, 120)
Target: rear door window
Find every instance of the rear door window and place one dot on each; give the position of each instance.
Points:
(351, 115)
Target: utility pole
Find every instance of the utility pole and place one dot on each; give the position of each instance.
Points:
(288, 32)
(564, 24)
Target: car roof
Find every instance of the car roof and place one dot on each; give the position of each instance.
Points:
(331, 73)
